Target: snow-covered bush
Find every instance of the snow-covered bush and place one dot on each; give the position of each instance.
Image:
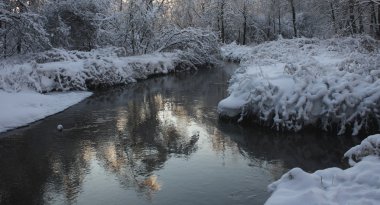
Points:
(56, 55)
(368, 147)
(290, 84)
(60, 70)
(358, 184)
(197, 47)
(235, 53)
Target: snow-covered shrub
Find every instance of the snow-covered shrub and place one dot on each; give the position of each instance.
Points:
(56, 55)
(368, 147)
(290, 84)
(358, 184)
(76, 70)
(235, 53)
(196, 47)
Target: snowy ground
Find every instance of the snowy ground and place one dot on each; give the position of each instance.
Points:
(24, 80)
(22, 108)
(359, 184)
(289, 84)
(59, 70)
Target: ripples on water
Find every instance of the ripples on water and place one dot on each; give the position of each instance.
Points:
(156, 142)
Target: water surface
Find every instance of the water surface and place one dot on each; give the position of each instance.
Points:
(155, 142)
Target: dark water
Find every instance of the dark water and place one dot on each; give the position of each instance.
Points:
(156, 142)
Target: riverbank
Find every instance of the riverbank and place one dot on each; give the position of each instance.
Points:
(358, 184)
(22, 108)
(61, 70)
(42, 84)
(122, 137)
(290, 84)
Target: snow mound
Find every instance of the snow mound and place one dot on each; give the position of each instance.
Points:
(235, 53)
(59, 70)
(358, 184)
(19, 109)
(290, 84)
(369, 146)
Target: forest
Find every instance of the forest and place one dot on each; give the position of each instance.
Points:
(146, 26)
(189, 102)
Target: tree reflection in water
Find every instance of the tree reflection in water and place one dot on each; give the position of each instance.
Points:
(131, 133)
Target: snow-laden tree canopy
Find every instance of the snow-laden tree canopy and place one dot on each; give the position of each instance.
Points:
(21, 31)
(35, 25)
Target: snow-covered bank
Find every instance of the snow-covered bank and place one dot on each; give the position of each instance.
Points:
(359, 184)
(22, 108)
(59, 70)
(289, 84)
(23, 79)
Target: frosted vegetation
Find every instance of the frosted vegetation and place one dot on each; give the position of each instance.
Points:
(358, 184)
(288, 78)
(79, 45)
(140, 26)
(62, 70)
(289, 84)
(65, 45)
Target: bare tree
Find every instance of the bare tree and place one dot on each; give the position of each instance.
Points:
(294, 19)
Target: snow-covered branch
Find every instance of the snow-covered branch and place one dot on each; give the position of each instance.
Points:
(290, 84)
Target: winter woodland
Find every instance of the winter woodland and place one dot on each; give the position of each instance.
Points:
(145, 26)
(302, 63)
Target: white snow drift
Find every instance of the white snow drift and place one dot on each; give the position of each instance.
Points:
(293, 83)
(19, 109)
(359, 184)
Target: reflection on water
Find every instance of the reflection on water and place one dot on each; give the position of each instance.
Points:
(156, 142)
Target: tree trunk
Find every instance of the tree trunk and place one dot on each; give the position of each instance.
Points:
(244, 24)
(269, 27)
(244, 30)
(373, 19)
(378, 20)
(222, 22)
(5, 46)
(133, 41)
(352, 16)
(3, 25)
(18, 46)
(333, 17)
(294, 20)
(361, 26)
(279, 21)
(132, 24)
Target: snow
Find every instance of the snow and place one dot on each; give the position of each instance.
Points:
(60, 70)
(359, 184)
(24, 80)
(369, 146)
(293, 83)
(22, 108)
(235, 53)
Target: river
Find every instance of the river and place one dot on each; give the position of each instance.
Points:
(158, 141)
